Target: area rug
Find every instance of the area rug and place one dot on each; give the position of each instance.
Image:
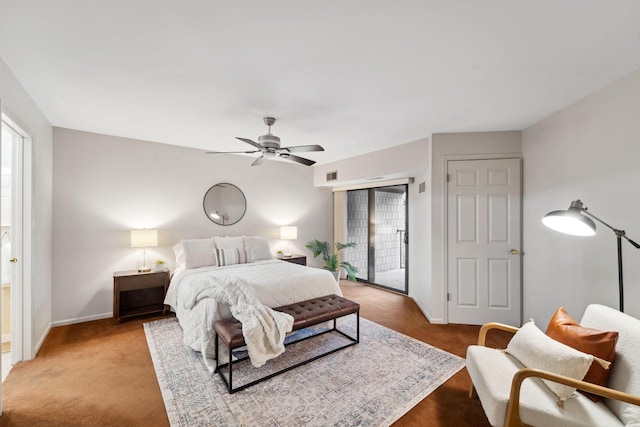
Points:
(370, 384)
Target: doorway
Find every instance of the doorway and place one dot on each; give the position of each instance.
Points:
(11, 196)
(377, 221)
(484, 241)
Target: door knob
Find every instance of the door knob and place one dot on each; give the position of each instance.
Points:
(514, 252)
(13, 260)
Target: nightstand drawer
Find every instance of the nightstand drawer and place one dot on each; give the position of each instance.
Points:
(296, 259)
(131, 283)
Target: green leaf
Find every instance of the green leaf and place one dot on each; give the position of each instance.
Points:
(331, 262)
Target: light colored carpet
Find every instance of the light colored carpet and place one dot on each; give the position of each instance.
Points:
(370, 384)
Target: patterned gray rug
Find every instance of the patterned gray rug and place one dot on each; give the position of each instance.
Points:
(370, 384)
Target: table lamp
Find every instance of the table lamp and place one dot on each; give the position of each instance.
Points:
(144, 239)
(288, 233)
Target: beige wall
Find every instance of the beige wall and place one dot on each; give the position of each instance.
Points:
(591, 151)
(105, 186)
(455, 146)
(424, 160)
(401, 161)
(17, 104)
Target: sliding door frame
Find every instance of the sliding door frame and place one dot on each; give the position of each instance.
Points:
(371, 248)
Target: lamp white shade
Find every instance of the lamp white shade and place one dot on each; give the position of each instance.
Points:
(144, 238)
(570, 222)
(289, 233)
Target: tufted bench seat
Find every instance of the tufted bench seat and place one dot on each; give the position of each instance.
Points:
(305, 314)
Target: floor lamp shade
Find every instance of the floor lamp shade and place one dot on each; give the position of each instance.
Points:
(570, 221)
(144, 239)
(578, 221)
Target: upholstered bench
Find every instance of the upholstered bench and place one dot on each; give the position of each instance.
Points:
(305, 314)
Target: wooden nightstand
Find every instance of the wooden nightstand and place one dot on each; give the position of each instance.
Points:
(296, 259)
(136, 294)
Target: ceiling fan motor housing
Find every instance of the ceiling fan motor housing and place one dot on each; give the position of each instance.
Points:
(269, 141)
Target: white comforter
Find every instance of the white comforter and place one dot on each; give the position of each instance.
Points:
(274, 283)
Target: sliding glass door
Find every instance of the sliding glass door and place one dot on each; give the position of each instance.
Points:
(377, 222)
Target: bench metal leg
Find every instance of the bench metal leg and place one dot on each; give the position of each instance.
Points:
(216, 353)
(229, 383)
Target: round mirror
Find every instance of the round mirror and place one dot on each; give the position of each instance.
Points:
(224, 204)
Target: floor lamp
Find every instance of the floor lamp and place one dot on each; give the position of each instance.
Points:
(577, 221)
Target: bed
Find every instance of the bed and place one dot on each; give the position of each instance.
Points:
(275, 283)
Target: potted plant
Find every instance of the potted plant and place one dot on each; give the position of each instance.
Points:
(159, 265)
(331, 263)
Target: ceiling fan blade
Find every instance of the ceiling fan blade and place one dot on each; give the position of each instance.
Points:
(297, 159)
(258, 161)
(303, 148)
(250, 142)
(232, 152)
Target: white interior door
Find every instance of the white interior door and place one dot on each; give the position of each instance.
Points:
(484, 241)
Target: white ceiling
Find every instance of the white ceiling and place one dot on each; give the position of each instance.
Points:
(352, 75)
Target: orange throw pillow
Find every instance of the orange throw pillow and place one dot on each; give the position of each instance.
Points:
(601, 344)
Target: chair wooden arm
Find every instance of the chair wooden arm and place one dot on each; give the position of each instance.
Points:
(482, 336)
(482, 339)
(513, 409)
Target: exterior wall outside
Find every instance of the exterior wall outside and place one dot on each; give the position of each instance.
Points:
(105, 186)
(358, 230)
(390, 217)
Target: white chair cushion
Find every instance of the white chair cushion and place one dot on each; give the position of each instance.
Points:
(492, 370)
(625, 370)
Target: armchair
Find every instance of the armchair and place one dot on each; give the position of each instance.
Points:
(499, 381)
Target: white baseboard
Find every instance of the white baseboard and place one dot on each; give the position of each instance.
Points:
(67, 322)
(6, 338)
(82, 319)
(41, 341)
(429, 318)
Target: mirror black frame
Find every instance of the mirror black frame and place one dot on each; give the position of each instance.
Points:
(219, 212)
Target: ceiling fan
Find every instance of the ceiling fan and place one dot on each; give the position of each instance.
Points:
(269, 147)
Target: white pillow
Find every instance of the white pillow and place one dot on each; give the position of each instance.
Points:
(234, 242)
(534, 349)
(234, 256)
(259, 245)
(199, 253)
(178, 250)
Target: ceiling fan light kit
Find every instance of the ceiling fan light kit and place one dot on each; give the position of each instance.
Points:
(269, 147)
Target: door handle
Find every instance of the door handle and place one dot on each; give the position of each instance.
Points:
(513, 252)
(13, 260)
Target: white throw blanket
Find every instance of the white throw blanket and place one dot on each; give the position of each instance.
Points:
(264, 329)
